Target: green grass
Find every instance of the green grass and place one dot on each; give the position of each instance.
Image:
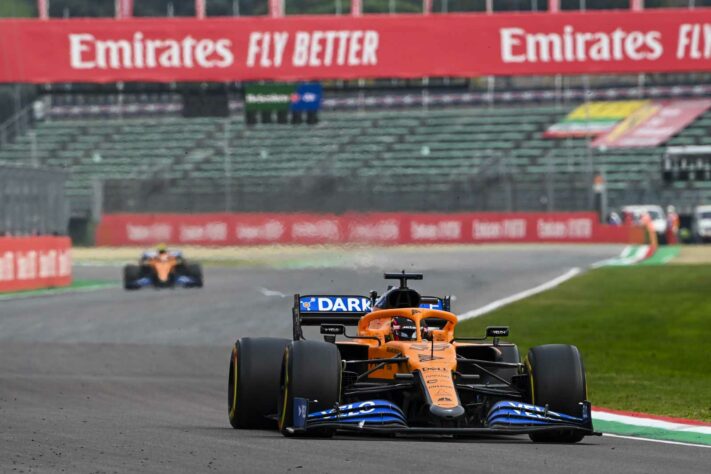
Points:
(644, 332)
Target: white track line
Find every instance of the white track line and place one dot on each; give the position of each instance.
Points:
(268, 292)
(475, 313)
(663, 441)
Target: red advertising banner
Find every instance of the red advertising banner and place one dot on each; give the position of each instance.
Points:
(653, 124)
(375, 228)
(345, 47)
(28, 263)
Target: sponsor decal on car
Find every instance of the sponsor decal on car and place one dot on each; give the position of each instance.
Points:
(428, 358)
(437, 305)
(429, 347)
(335, 304)
(434, 369)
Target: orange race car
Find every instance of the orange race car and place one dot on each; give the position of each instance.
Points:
(162, 268)
(404, 372)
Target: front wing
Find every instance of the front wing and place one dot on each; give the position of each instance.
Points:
(182, 281)
(505, 418)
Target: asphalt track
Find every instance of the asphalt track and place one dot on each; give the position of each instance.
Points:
(110, 381)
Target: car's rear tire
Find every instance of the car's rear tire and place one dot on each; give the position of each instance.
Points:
(311, 370)
(253, 382)
(194, 270)
(557, 378)
(131, 274)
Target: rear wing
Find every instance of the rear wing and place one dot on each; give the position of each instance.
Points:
(314, 310)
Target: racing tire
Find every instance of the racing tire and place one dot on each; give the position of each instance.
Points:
(131, 274)
(194, 270)
(557, 378)
(253, 382)
(311, 370)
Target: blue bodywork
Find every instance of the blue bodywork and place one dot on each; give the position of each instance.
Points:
(371, 412)
(182, 281)
(505, 417)
(507, 413)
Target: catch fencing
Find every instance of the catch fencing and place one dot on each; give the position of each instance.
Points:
(497, 189)
(32, 201)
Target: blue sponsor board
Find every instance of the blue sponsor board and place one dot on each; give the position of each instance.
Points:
(306, 98)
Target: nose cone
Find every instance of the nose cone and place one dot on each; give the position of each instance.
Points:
(447, 413)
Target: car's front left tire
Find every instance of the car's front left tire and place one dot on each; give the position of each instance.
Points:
(557, 378)
(253, 382)
(310, 370)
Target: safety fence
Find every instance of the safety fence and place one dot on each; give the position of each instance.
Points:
(359, 228)
(29, 263)
(32, 201)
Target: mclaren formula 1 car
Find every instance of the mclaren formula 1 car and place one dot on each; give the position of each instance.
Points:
(162, 268)
(403, 371)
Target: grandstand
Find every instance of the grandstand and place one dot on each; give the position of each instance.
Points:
(445, 158)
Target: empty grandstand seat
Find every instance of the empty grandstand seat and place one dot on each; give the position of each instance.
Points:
(409, 148)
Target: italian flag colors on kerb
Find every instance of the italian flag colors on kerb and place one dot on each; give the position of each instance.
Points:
(626, 423)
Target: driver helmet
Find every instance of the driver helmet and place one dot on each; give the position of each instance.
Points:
(162, 249)
(404, 329)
